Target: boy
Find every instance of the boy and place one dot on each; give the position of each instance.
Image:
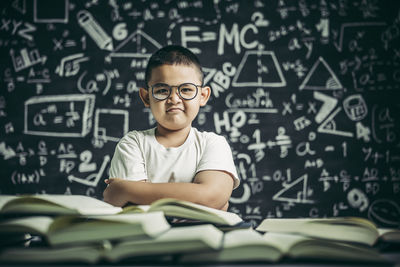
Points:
(173, 159)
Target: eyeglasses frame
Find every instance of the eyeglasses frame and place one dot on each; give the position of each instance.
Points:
(170, 91)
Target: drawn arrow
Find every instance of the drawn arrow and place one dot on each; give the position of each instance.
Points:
(92, 179)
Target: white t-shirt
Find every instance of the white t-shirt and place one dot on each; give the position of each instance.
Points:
(139, 156)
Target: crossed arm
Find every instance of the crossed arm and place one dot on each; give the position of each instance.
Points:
(210, 188)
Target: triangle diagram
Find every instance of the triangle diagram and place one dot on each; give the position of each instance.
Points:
(329, 126)
(328, 104)
(137, 45)
(295, 192)
(321, 77)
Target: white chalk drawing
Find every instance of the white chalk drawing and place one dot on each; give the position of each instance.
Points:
(329, 126)
(346, 26)
(26, 59)
(207, 36)
(323, 27)
(363, 132)
(245, 196)
(86, 165)
(104, 132)
(219, 80)
(264, 67)
(295, 192)
(258, 100)
(321, 77)
(143, 46)
(304, 148)
(358, 199)
(40, 76)
(94, 178)
(355, 107)
(57, 13)
(20, 6)
(95, 31)
(120, 32)
(59, 116)
(6, 151)
(282, 140)
(193, 34)
(253, 110)
(301, 123)
(385, 211)
(208, 74)
(327, 179)
(383, 123)
(329, 103)
(100, 82)
(69, 66)
(245, 76)
(22, 177)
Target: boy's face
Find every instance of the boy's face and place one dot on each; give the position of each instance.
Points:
(175, 113)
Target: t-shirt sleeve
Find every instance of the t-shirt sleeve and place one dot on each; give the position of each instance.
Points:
(128, 162)
(218, 156)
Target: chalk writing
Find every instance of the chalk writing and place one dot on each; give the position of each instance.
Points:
(305, 92)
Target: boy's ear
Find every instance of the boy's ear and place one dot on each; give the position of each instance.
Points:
(205, 94)
(144, 95)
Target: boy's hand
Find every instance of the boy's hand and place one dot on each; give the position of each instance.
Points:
(114, 192)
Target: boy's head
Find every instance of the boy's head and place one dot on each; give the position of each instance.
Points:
(172, 55)
(174, 88)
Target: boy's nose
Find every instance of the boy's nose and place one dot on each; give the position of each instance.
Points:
(174, 96)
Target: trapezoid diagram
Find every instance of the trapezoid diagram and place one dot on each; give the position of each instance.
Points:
(321, 77)
(260, 69)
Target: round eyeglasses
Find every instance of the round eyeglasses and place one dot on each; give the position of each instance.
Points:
(186, 91)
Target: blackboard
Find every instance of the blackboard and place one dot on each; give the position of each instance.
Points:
(306, 92)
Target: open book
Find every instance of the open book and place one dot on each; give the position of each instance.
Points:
(389, 235)
(346, 229)
(175, 241)
(247, 245)
(55, 205)
(188, 210)
(74, 229)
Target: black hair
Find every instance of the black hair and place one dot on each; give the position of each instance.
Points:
(172, 55)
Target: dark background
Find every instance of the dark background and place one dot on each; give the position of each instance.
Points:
(306, 92)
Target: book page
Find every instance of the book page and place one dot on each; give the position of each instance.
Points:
(33, 225)
(243, 237)
(4, 199)
(322, 228)
(283, 241)
(83, 204)
(185, 209)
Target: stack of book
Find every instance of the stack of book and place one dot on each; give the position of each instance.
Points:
(86, 230)
(75, 228)
(339, 239)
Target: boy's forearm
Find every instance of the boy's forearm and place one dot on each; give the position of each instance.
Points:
(209, 188)
(146, 193)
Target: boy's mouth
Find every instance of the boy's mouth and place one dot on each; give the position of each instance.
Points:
(174, 110)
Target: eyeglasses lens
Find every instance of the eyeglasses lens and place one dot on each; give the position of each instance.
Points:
(162, 91)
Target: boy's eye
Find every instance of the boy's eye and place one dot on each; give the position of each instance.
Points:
(161, 91)
(187, 89)
(164, 90)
